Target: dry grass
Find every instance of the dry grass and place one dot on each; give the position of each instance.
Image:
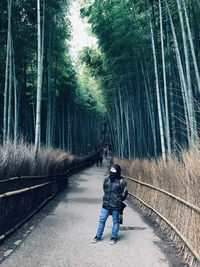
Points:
(19, 161)
(181, 178)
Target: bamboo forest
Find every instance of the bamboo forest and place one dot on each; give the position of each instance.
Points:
(138, 87)
(147, 65)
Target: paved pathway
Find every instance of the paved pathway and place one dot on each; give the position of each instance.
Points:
(63, 237)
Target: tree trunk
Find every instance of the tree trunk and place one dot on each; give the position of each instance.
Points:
(121, 126)
(53, 117)
(171, 92)
(15, 100)
(191, 112)
(157, 86)
(68, 130)
(49, 97)
(6, 75)
(181, 76)
(192, 46)
(10, 90)
(39, 89)
(117, 128)
(164, 81)
(150, 109)
(63, 124)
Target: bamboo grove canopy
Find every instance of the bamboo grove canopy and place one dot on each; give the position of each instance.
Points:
(41, 90)
(143, 77)
(147, 64)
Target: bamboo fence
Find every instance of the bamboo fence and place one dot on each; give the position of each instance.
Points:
(178, 218)
(21, 197)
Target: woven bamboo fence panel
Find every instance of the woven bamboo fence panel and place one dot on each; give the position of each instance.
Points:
(21, 197)
(179, 219)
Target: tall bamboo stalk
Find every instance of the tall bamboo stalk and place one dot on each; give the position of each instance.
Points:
(192, 46)
(181, 76)
(157, 85)
(10, 89)
(6, 74)
(164, 81)
(15, 99)
(49, 95)
(39, 91)
(191, 112)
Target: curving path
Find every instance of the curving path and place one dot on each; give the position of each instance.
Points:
(63, 237)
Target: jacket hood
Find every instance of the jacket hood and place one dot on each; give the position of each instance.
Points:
(118, 169)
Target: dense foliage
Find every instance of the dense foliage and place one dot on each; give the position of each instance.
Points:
(147, 64)
(65, 111)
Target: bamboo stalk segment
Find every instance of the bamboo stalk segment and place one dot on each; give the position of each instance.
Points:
(16, 192)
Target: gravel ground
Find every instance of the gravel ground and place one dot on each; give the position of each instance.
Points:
(61, 234)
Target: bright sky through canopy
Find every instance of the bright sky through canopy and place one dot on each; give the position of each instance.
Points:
(80, 36)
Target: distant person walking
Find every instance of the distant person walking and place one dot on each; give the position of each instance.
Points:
(115, 192)
(99, 159)
(106, 152)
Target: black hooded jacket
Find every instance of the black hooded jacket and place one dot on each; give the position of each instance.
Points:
(115, 190)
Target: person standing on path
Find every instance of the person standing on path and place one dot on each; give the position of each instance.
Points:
(115, 192)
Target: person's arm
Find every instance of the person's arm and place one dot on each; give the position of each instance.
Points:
(125, 191)
(104, 182)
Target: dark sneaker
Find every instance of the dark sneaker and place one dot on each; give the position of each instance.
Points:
(113, 240)
(120, 219)
(96, 239)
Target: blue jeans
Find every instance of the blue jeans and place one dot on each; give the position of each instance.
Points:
(104, 215)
